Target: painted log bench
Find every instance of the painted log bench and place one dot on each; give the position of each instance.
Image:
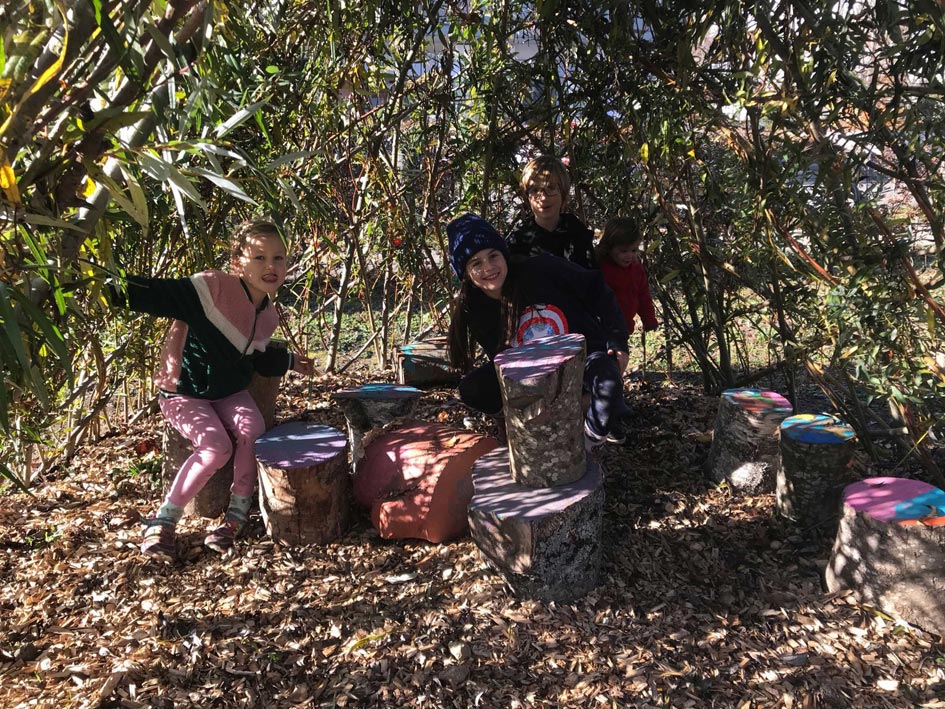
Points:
(541, 384)
(213, 498)
(744, 450)
(304, 484)
(816, 450)
(417, 480)
(371, 406)
(545, 542)
(890, 549)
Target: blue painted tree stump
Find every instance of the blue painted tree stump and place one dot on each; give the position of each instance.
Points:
(744, 450)
(815, 456)
(545, 542)
(541, 386)
(426, 363)
(890, 549)
(372, 406)
(304, 485)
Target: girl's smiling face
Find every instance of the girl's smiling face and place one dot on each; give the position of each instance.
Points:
(262, 265)
(626, 254)
(487, 270)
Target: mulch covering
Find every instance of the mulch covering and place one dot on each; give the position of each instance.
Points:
(705, 600)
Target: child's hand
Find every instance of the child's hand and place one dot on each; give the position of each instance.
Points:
(623, 359)
(302, 364)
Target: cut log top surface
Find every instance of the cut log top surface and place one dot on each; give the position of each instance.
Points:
(497, 494)
(538, 357)
(299, 444)
(378, 392)
(897, 500)
(816, 429)
(758, 401)
(429, 346)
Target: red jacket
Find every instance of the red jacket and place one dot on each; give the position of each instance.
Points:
(633, 292)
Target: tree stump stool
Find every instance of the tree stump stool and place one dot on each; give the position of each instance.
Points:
(744, 449)
(417, 480)
(304, 485)
(372, 406)
(545, 542)
(541, 386)
(426, 363)
(815, 453)
(890, 549)
(214, 498)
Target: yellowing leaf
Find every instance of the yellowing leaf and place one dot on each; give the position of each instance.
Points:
(8, 182)
(645, 152)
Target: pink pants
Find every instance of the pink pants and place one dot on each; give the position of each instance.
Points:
(205, 424)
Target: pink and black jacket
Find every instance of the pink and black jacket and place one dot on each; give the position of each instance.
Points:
(218, 337)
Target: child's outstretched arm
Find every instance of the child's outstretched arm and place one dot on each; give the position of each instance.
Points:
(165, 297)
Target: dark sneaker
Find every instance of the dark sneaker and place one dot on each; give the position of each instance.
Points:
(222, 538)
(592, 440)
(159, 538)
(617, 435)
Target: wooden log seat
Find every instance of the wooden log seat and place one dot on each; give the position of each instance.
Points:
(371, 406)
(545, 542)
(417, 480)
(890, 549)
(304, 484)
(214, 498)
(744, 450)
(541, 384)
(426, 363)
(815, 456)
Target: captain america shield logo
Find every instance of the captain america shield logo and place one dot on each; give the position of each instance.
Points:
(542, 320)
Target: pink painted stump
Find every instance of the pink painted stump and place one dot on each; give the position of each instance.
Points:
(744, 449)
(304, 485)
(541, 386)
(890, 549)
(417, 480)
(371, 406)
(545, 542)
(815, 456)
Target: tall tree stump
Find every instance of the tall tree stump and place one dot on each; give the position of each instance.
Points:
(214, 498)
(545, 542)
(304, 485)
(890, 549)
(541, 386)
(744, 449)
(815, 454)
(371, 406)
(426, 363)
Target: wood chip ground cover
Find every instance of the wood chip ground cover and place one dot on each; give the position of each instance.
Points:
(706, 600)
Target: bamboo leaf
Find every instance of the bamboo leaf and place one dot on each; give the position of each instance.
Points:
(116, 192)
(225, 184)
(15, 337)
(238, 118)
(10, 475)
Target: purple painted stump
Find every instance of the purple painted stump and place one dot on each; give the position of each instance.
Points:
(815, 456)
(744, 449)
(546, 542)
(304, 485)
(371, 406)
(890, 549)
(541, 386)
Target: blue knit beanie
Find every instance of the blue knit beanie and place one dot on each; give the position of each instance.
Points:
(468, 235)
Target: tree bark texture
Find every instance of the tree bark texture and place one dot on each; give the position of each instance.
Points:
(304, 484)
(890, 549)
(545, 542)
(214, 498)
(371, 406)
(744, 449)
(815, 457)
(541, 384)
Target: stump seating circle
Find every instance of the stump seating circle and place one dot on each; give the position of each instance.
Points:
(304, 486)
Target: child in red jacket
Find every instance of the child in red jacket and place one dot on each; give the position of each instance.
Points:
(618, 255)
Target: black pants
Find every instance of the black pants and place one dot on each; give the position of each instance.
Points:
(479, 390)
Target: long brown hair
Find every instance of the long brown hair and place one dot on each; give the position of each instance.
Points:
(462, 344)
